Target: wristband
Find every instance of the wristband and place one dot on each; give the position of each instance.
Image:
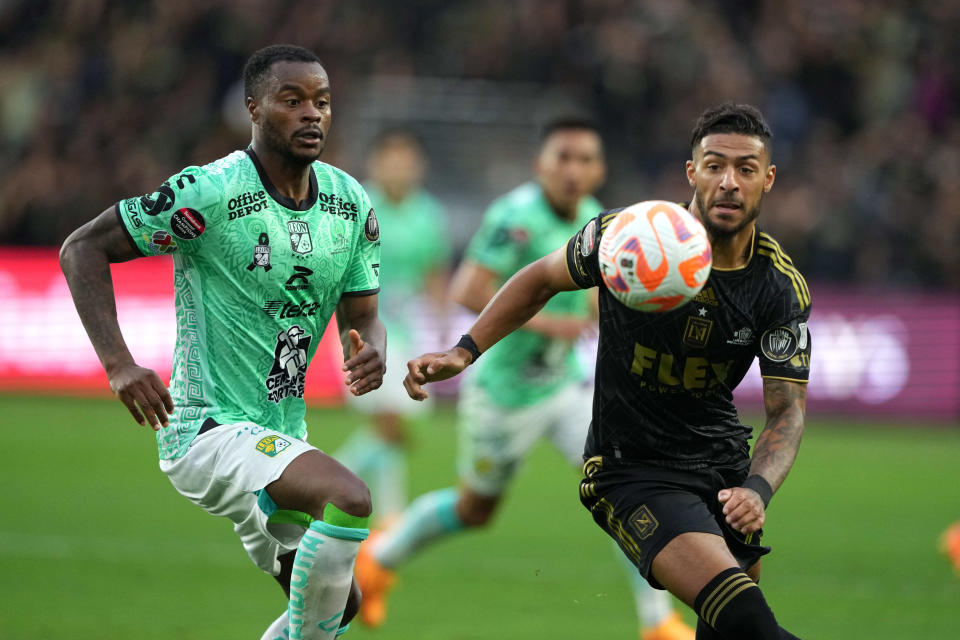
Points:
(759, 484)
(466, 342)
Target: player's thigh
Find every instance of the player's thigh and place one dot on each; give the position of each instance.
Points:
(571, 410)
(314, 479)
(643, 509)
(492, 441)
(225, 471)
(689, 561)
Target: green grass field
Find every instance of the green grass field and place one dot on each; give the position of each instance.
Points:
(95, 543)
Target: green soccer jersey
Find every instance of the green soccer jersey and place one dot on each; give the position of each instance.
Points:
(418, 244)
(517, 229)
(256, 280)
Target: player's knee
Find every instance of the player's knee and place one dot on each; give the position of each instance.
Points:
(352, 496)
(476, 512)
(734, 606)
(476, 517)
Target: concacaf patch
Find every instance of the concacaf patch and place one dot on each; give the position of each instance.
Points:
(272, 445)
(371, 229)
(187, 223)
(779, 344)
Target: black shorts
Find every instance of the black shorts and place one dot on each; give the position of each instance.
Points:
(644, 507)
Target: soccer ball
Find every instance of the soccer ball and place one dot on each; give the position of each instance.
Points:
(654, 256)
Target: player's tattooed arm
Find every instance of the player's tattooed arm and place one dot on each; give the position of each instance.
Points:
(85, 259)
(773, 455)
(744, 507)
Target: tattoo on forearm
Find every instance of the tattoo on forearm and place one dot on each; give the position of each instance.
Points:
(777, 446)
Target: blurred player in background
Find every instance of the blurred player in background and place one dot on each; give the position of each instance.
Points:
(267, 243)
(529, 387)
(950, 545)
(413, 278)
(668, 472)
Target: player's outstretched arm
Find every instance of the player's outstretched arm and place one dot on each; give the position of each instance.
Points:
(518, 300)
(773, 454)
(85, 259)
(364, 340)
(474, 285)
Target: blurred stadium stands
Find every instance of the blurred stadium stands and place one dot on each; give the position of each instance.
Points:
(101, 100)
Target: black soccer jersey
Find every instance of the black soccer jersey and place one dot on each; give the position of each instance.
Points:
(665, 381)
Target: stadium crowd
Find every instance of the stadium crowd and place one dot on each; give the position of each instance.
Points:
(103, 99)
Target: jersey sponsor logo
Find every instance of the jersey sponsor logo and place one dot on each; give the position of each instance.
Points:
(665, 373)
(163, 198)
(697, 331)
(742, 337)
(779, 344)
(707, 296)
(246, 203)
(133, 212)
(272, 445)
(261, 254)
(300, 240)
(280, 309)
(644, 522)
(588, 238)
(289, 370)
(298, 281)
(187, 224)
(159, 201)
(160, 242)
(337, 206)
(371, 228)
(376, 268)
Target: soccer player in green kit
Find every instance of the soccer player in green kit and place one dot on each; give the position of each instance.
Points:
(267, 244)
(529, 387)
(413, 279)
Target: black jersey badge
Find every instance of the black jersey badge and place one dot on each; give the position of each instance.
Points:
(779, 344)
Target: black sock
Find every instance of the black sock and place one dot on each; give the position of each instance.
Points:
(733, 605)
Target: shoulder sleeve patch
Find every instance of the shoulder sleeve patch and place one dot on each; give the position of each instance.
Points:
(371, 228)
(781, 343)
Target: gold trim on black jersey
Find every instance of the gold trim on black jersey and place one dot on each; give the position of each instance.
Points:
(770, 248)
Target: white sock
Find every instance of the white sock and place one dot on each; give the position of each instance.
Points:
(321, 578)
(430, 517)
(278, 629)
(653, 606)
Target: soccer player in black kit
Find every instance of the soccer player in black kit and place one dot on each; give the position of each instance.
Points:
(668, 471)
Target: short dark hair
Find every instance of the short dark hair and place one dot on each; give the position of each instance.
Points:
(568, 123)
(256, 68)
(394, 135)
(729, 117)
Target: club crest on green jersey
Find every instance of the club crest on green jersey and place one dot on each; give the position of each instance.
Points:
(300, 240)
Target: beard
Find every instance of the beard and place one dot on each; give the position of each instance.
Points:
(717, 232)
(274, 139)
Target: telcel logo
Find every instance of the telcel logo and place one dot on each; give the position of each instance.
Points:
(280, 309)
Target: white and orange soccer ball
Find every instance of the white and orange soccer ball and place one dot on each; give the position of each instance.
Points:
(654, 256)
